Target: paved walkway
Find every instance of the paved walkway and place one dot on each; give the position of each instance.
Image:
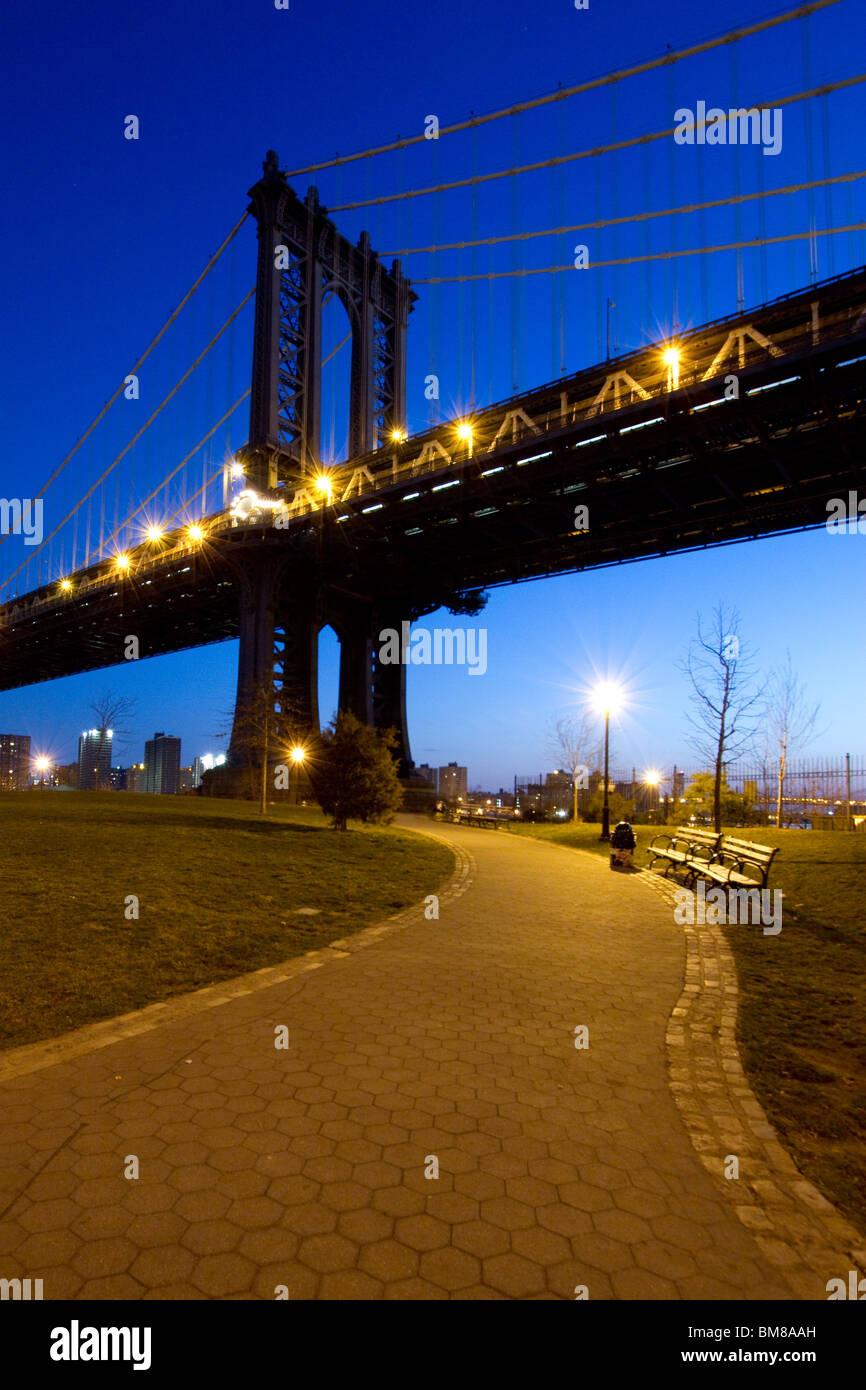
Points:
(450, 1039)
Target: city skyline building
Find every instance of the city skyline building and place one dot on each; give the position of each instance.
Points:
(14, 762)
(162, 764)
(94, 759)
(453, 782)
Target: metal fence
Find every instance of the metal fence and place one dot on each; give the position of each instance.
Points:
(815, 791)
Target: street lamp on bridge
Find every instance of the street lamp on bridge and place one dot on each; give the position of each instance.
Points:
(607, 699)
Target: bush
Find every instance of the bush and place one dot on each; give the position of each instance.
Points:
(354, 774)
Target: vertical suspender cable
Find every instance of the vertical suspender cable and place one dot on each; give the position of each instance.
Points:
(474, 293)
(828, 192)
(232, 348)
(554, 283)
(738, 209)
(806, 117)
(600, 315)
(673, 234)
(561, 281)
(515, 283)
(617, 274)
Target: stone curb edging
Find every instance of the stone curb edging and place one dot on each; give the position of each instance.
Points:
(797, 1229)
(21, 1061)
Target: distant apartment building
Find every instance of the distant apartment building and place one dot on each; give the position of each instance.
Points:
(67, 776)
(429, 774)
(135, 778)
(162, 764)
(186, 779)
(14, 762)
(94, 760)
(452, 782)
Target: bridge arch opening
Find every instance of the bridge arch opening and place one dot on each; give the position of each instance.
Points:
(336, 387)
(329, 675)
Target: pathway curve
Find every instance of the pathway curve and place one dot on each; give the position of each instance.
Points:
(417, 1044)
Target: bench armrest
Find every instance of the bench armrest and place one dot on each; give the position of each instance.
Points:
(661, 836)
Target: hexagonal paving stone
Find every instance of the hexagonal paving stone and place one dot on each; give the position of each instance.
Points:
(389, 1260)
(217, 1275)
(211, 1237)
(328, 1253)
(449, 1268)
(421, 1232)
(167, 1264)
(507, 1213)
(350, 1284)
(48, 1248)
(48, 1215)
(513, 1275)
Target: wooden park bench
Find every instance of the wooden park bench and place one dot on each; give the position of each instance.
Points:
(467, 817)
(685, 847)
(738, 864)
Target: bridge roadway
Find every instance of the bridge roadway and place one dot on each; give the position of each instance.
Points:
(662, 459)
(305, 1167)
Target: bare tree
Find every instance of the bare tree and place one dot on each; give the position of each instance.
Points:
(788, 723)
(725, 701)
(260, 739)
(111, 710)
(574, 743)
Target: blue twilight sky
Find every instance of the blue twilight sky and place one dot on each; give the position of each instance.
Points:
(102, 236)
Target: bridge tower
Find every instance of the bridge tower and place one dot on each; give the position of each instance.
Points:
(286, 593)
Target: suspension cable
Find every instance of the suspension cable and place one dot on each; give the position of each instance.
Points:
(169, 321)
(631, 217)
(595, 152)
(563, 93)
(135, 437)
(167, 479)
(656, 256)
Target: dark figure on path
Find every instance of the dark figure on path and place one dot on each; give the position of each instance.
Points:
(622, 846)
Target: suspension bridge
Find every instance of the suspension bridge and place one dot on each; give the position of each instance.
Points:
(702, 429)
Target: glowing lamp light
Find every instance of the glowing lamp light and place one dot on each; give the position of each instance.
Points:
(122, 561)
(154, 533)
(464, 431)
(652, 778)
(43, 764)
(398, 436)
(237, 469)
(66, 585)
(671, 359)
(323, 486)
(607, 697)
(298, 755)
(195, 533)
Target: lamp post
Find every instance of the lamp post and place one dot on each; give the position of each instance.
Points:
(43, 765)
(607, 699)
(652, 780)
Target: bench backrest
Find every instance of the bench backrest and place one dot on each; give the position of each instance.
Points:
(747, 850)
(707, 839)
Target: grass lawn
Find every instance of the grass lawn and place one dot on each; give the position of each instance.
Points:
(802, 1017)
(222, 891)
